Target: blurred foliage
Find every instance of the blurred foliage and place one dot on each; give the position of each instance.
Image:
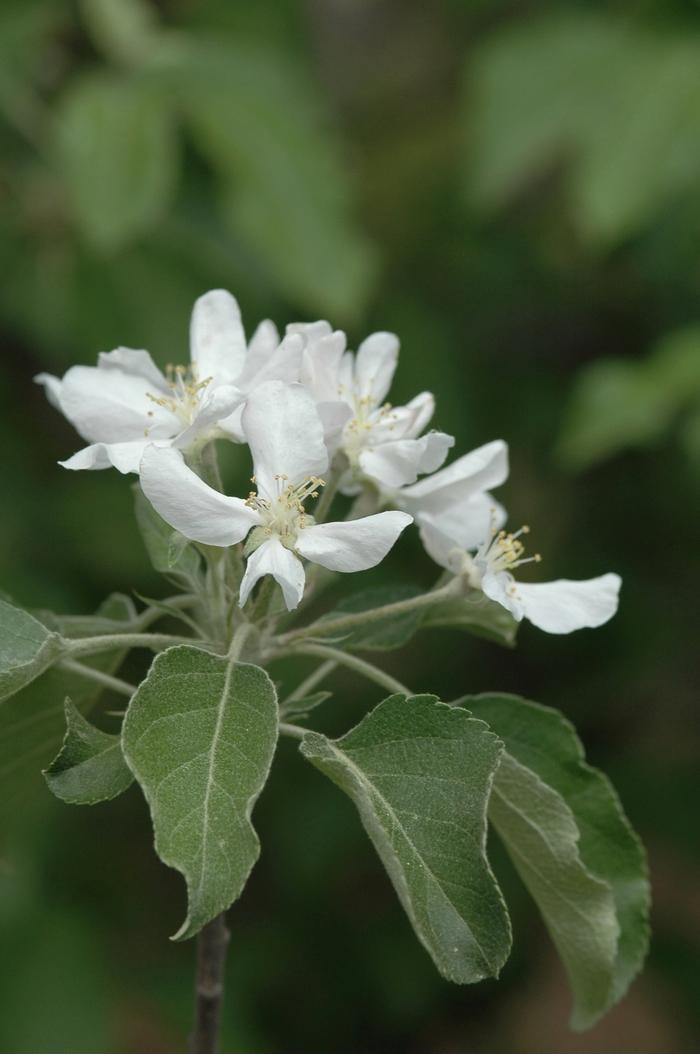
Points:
(618, 403)
(514, 189)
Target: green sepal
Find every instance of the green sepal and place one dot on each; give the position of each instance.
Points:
(90, 766)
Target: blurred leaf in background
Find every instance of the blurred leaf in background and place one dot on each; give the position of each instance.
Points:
(614, 104)
(620, 403)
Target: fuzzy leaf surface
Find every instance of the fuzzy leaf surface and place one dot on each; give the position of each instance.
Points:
(32, 721)
(543, 741)
(199, 736)
(90, 766)
(27, 648)
(539, 831)
(420, 774)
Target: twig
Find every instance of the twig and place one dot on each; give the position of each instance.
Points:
(212, 943)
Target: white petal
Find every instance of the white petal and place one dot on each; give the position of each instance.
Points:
(476, 471)
(334, 416)
(503, 588)
(232, 425)
(272, 558)
(466, 523)
(320, 370)
(264, 340)
(126, 457)
(563, 606)
(217, 340)
(188, 504)
(386, 426)
(423, 408)
(354, 545)
(52, 388)
(285, 435)
(112, 406)
(282, 364)
(438, 545)
(130, 360)
(310, 331)
(397, 463)
(216, 406)
(375, 364)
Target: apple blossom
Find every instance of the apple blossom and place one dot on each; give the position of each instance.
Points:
(126, 403)
(556, 607)
(285, 435)
(457, 496)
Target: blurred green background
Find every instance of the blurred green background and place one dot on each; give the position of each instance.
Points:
(514, 188)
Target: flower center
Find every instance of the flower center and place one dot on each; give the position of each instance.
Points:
(503, 551)
(185, 393)
(283, 515)
(367, 416)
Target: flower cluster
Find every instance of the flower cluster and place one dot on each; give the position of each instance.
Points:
(315, 418)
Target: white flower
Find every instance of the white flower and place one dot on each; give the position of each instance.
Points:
(381, 442)
(323, 350)
(126, 403)
(556, 607)
(457, 497)
(285, 435)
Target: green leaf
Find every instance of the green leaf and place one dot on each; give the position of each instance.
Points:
(621, 403)
(385, 634)
(32, 721)
(27, 648)
(90, 766)
(420, 774)
(116, 151)
(541, 836)
(168, 550)
(199, 736)
(479, 617)
(613, 105)
(543, 741)
(300, 708)
(283, 181)
(125, 30)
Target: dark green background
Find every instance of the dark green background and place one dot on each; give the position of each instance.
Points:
(514, 188)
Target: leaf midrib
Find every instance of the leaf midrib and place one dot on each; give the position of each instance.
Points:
(373, 791)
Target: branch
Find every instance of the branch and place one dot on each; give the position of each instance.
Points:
(212, 943)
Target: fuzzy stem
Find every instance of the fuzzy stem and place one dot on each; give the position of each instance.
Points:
(212, 943)
(310, 682)
(293, 731)
(345, 623)
(111, 641)
(365, 669)
(114, 683)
